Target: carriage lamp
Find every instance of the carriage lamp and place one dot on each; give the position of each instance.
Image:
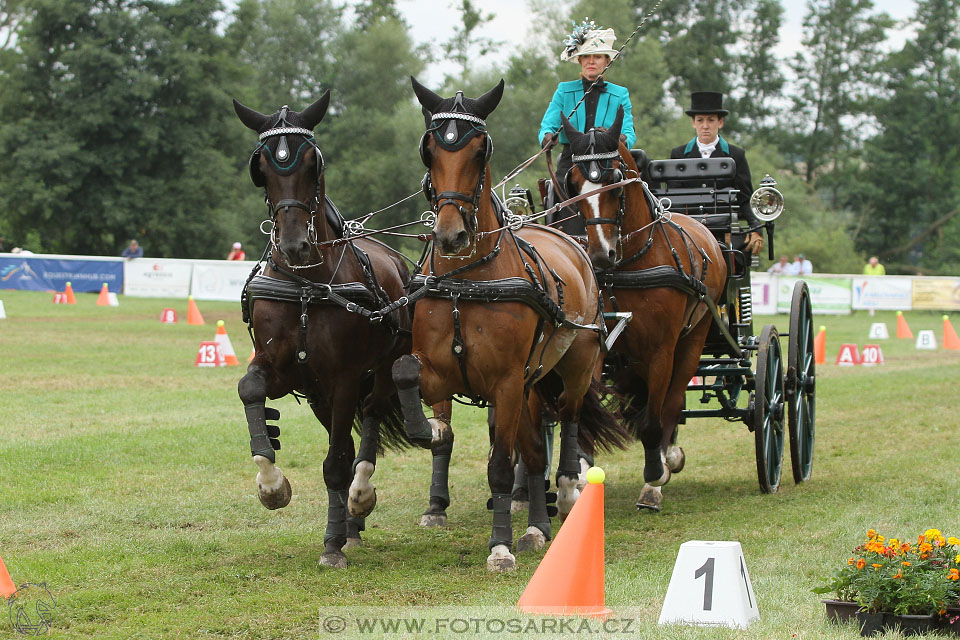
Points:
(766, 202)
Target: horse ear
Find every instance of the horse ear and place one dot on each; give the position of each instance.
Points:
(250, 118)
(313, 114)
(428, 99)
(614, 129)
(489, 101)
(427, 117)
(568, 128)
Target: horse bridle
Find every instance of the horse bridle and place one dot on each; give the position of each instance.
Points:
(598, 168)
(451, 142)
(283, 128)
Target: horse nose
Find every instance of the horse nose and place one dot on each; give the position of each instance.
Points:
(461, 240)
(603, 259)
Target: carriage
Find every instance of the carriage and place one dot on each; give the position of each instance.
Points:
(769, 396)
(741, 375)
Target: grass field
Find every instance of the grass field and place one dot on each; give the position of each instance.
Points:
(126, 485)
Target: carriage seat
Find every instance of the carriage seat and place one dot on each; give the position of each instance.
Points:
(692, 186)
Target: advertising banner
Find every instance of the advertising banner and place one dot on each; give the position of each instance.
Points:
(50, 273)
(219, 280)
(763, 286)
(882, 292)
(939, 294)
(827, 295)
(157, 278)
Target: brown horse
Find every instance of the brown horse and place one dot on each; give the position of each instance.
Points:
(661, 270)
(311, 321)
(504, 310)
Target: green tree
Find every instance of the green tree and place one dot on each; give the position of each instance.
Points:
(908, 192)
(760, 79)
(836, 73)
(113, 115)
(465, 47)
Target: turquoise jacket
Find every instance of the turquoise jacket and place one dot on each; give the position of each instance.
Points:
(569, 93)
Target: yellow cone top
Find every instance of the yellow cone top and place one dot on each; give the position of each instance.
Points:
(68, 284)
(899, 313)
(219, 323)
(823, 328)
(595, 475)
(946, 317)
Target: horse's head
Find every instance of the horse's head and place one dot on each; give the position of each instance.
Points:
(596, 162)
(288, 165)
(455, 149)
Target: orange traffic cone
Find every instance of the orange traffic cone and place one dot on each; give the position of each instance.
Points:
(104, 298)
(820, 346)
(71, 299)
(569, 580)
(7, 588)
(950, 339)
(229, 357)
(193, 314)
(253, 354)
(903, 330)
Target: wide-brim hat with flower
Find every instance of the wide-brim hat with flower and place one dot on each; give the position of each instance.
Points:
(588, 38)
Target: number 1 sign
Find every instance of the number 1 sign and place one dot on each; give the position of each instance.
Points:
(710, 586)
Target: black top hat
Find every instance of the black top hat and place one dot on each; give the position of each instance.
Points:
(706, 102)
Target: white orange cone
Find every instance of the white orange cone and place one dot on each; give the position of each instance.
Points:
(229, 357)
(103, 299)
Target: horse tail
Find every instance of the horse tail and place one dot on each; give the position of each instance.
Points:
(393, 435)
(601, 425)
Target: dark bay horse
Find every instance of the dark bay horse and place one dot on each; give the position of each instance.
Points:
(505, 309)
(662, 270)
(311, 321)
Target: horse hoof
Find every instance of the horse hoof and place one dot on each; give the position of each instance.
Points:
(532, 540)
(676, 459)
(352, 543)
(519, 505)
(275, 499)
(333, 559)
(442, 433)
(500, 559)
(433, 520)
(650, 498)
(361, 502)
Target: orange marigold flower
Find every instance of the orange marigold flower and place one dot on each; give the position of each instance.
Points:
(953, 577)
(850, 561)
(954, 571)
(880, 538)
(926, 547)
(906, 564)
(898, 576)
(861, 563)
(905, 548)
(876, 566)
(921, 539)
(924, 556)
(871, 534)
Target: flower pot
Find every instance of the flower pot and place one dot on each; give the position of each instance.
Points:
(840, 611)
(870, 623)
(953, 613)
(911, 625)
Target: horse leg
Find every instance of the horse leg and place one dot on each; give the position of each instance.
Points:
(273, 488)
(656, 473)
(337, 475)
(686, 359)
(436, 513)
(509, 402)
(576, 370)
(423, 432)
(531, 449)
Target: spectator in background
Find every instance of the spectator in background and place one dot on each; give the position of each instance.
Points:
(237, 253)
(806, 267)
(780, 268)
(874, 268)
(133, 251)
(793, 269)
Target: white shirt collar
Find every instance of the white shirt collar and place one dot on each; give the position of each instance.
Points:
(706, 150)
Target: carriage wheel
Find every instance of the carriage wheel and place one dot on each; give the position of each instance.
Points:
(801, 383)
(768, 411)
